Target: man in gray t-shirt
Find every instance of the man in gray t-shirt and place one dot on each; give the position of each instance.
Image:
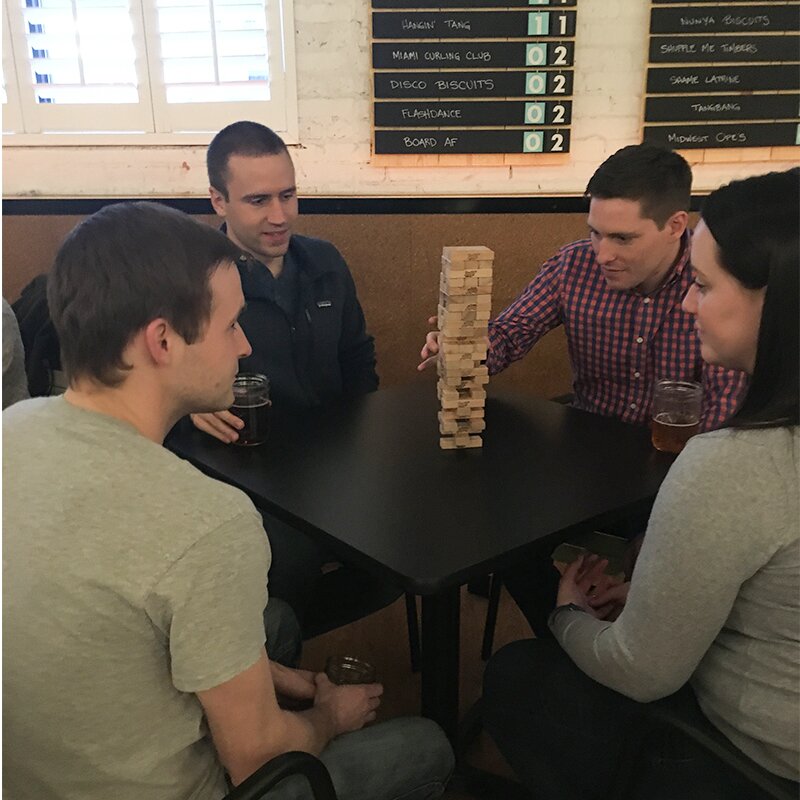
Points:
(133, 642)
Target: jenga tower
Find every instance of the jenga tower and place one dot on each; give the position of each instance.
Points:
(465, 300)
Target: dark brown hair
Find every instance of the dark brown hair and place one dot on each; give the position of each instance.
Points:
(121, 268)
(244, 139)
(659, 179)
(756, 225)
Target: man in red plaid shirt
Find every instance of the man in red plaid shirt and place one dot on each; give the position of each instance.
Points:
(619, 295)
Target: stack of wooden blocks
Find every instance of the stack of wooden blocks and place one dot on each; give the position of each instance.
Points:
(465, 300)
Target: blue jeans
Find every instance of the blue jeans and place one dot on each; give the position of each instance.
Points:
(408, 758)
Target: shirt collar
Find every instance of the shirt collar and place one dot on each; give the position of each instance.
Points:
(678, 269)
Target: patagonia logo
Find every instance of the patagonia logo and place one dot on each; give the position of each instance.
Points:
(324, 303)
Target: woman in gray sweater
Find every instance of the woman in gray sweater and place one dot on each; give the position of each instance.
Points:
(711, 618)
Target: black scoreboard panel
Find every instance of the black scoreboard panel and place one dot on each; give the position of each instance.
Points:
(497, 79)
(723, 75)
(668, 49)
(461, 141)
(701, 18)
(471, 24)
(471, 55)
(701, 107)
(448, 84)
(751, 134)
(405, 4)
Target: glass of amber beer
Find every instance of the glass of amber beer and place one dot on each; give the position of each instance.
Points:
(676, 414)
(252, 405)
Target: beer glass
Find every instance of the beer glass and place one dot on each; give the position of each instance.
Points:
(676, 414)
(343, 670)
(252, 405)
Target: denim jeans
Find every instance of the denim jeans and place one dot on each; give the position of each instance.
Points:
(408, 758)
(564, 734)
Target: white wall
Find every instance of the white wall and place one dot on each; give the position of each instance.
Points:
(334, 105)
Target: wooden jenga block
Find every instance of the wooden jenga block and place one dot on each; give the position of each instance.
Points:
(448, 404)
(461, 425)
(465, 395)
(456, 443)
(463, 344)
(465, 253)
(461, 413)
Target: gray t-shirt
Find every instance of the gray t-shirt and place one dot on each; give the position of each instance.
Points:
(715, 597)
(130, 582)
(15, 381)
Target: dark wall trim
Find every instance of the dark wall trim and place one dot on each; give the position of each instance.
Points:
(333, 205)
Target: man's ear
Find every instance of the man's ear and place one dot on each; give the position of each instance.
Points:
(160, 340)
(218, 201)
(677, 223)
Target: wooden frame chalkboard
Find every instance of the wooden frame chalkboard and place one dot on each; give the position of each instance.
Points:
(723, 76)
(458, 78)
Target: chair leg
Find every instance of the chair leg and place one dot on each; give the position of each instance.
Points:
(491, 616)
(413, 631)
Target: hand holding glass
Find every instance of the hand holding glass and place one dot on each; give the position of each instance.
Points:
(343, 670)
(252, 405)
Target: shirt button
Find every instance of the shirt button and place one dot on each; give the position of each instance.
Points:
(633, 405)
(637, 374)
(646, 300)
(639, 340)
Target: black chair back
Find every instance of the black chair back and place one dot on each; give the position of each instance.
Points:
(278, 769)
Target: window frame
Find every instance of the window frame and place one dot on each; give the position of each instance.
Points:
(281, 49)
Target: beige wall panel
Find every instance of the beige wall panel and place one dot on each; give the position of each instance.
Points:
(395, 260)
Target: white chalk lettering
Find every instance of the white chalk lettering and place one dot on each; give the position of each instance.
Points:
(705, 108)
(430, 113)
(691, 138)
(421, 141)
(682, 80)
(739, 137)
(415, 25)
(735, 47)
(759, 21)
(693, 22)
(396, 84)
(731, 80)
(466, 85)
(442, 55)
(677, 48)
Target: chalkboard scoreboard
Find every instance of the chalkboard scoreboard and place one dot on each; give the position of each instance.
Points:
(723, 74)
(472, 76)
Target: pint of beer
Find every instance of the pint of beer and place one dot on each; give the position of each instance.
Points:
(252, 405)
(676, 414)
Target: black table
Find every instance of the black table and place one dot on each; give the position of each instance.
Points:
(368, 480)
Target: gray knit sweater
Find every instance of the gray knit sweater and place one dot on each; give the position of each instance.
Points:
(715, 597)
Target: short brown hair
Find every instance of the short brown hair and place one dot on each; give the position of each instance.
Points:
(242, 138)
(659, 179)
(121, 268)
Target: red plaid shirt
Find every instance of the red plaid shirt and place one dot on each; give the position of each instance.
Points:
(620, 342)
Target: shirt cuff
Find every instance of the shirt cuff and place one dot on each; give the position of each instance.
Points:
(558, 609)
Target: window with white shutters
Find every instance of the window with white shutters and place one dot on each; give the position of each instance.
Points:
(145, 66)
